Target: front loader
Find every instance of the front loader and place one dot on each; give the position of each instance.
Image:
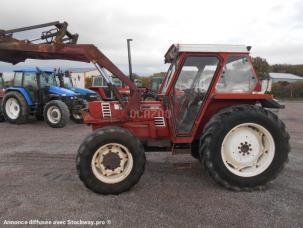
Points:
(209, 105)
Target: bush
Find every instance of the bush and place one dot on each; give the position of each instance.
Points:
(287, 90)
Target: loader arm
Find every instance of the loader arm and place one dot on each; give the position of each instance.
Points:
(14, 51)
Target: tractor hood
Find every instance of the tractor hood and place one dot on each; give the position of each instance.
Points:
(61, 91)
(82, 91)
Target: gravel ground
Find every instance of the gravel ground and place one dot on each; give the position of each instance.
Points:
(38, 182)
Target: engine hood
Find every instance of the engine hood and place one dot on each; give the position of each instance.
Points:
(82, 91)
(61, 91)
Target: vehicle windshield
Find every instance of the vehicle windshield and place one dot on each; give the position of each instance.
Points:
(117, 82)
(68, 83)
(48, 79)
(155, 84)
(98, 81)
(168, 77)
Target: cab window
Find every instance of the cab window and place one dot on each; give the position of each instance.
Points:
(30, 80)
(237, 76)
(18, 79)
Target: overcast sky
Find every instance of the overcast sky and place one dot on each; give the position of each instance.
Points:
(274, 28)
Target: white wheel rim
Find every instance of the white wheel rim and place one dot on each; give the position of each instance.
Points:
(54, 114)
(12, 108)
(248, 150)
(115, 174)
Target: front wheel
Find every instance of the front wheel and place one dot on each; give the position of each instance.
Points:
(244, 147)
(110, 161)
(56, 114)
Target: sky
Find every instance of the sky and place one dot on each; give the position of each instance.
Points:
(274, 28)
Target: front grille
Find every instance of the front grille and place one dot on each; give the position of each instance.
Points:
(106, 112)
(159, 121)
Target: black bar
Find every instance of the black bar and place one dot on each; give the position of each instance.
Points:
(129, 60)
(31, 27)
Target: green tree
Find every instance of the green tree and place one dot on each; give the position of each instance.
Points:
(262, 68)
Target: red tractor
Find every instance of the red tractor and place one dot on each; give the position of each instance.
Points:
(209, 104)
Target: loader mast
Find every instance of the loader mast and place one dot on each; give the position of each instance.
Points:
(59, 43)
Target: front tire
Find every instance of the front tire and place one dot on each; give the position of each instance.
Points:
(56, 114)
(15, 108)
(244, 147)
(110, 160)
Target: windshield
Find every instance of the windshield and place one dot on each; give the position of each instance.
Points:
(168, 77)
(68, 83)
(117, 82)
(48, 79)
(156, 83)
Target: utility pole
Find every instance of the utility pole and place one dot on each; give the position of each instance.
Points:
(129, 59)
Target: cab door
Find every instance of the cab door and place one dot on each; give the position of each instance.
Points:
(190, 89)
(31, 85)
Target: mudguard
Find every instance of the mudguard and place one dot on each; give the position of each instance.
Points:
(271, 103)
(23, 92)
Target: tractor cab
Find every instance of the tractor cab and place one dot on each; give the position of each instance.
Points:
(65, 81)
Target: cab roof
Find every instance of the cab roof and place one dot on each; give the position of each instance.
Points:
(175, 49)
(35, 69)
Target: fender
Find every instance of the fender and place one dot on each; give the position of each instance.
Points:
(271, 103)
(24, 93)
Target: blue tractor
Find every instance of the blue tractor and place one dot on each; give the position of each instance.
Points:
(34, 92)
(65, 81)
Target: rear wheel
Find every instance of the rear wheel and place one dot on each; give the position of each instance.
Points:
(111, 160)
(15, 108)
(244, 147)
(56, 114)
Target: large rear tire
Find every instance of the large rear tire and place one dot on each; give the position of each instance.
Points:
(56, 113)
(15, 108)
(111, 160)
(244, 147)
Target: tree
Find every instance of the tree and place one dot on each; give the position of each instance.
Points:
(262, 68)
(288, 68)
(88, 82)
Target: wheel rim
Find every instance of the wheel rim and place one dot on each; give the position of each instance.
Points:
(112, 163)
(12, 108)
(248, 150)
(54, 114)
